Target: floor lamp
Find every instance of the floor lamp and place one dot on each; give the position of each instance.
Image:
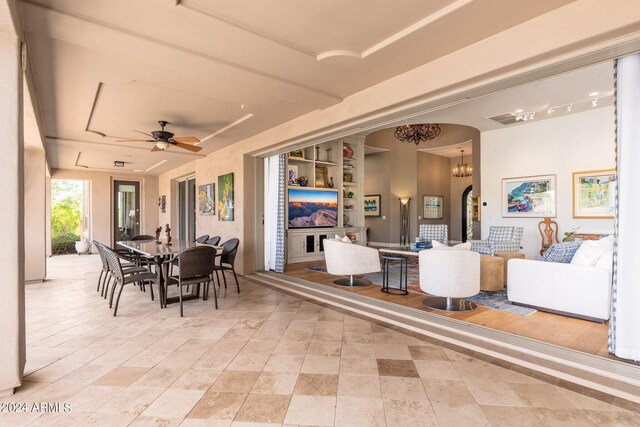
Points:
(404, 220)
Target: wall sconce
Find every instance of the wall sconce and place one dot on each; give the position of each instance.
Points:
(404, 220)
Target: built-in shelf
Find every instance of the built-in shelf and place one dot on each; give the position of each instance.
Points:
(322, 162)
(297, 160)
(310, 187)
(350, 184)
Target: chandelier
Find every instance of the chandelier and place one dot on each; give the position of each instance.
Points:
(462, 170)
(417, 133)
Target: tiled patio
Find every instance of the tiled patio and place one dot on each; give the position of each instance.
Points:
(264, 358)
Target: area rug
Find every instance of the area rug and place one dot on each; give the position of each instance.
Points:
(496, 300)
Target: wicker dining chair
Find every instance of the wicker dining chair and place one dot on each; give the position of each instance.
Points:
(195, 266)
(202, 238)
(121, 279)
(213, 241)
(227, 261)
(104, 281)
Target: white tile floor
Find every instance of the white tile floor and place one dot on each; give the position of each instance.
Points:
(263, 358)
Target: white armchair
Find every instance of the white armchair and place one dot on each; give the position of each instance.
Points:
(451, 276)
(501, 239)
(347, 259)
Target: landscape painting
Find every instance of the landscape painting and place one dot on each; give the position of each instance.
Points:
(225, 197)
(594, 194)
(529, 197)
(312, 208)
(207, 199)
(372, 205)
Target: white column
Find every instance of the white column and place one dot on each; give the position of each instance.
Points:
(12, 330)
(624, 333)
(35, 215)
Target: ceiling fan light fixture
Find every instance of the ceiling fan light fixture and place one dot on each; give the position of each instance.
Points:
(163, 145)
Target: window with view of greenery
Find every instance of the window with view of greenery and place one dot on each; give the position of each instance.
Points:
(66, 215)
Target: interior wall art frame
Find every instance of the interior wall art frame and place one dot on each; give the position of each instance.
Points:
(372, 205)
(432, 207)
(594, 194)
(207, 199)
(529, 197)
(226, 201)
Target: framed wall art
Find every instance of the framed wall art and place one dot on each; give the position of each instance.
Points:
(207, 199)
(529, 197)
(432, 207)
(372, 205)
(594, 194)
(226, 200)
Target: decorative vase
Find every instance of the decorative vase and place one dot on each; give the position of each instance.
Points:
(347, 152)
(331, 182)
(82, 247)
(317, 152)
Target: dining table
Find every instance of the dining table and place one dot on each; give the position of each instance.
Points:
(162, 254)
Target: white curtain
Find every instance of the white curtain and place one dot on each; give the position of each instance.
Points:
(274, 186)
(624, 326)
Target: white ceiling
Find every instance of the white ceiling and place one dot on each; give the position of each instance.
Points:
(226, 70)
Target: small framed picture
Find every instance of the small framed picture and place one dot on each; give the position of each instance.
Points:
(322, 177)
(432, 207)
(372, 205)
(594, 194)
(529, 197)
(296, 154)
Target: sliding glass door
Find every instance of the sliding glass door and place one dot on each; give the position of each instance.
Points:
(187, 208)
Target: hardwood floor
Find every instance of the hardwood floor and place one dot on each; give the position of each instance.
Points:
(576, 334)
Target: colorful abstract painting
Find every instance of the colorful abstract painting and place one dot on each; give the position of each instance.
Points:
(226, 202)
(529, 197)
(372, 205)
(207, 199)
(594, 194)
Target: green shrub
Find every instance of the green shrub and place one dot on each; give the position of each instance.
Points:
(63, 243)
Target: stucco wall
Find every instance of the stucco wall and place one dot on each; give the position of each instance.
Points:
(35, 215)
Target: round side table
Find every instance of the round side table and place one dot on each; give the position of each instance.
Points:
(402, 284)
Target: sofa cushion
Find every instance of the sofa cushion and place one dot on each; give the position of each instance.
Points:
(588, 254)
(561, 252)
(346, 239)
(437, 245)
(605, 261)
(463, 246)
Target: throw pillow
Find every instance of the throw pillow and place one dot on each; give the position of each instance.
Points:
(588, 254)
(346, 239)
(337, 237)
(561, 252)
(605, 261)
(436, 244)
(466, 246)
(606, 243)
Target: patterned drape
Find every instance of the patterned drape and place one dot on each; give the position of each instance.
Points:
(624, 339)
(279, 264)
(614, 284)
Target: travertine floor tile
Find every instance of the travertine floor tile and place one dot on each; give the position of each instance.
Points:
(409, 413)
(263, 408)
(402, 388)
(321, 365)
(317, 385)
(218, 406)
(235, 381)
(311, 410)
(174, 403)
(359, 386)
(497, 393)
(370, 412)
(275, 383)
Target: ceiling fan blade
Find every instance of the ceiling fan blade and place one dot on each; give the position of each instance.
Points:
(191, 148)
(155, 148)
(144, 133)
(187, 139)
(134, 140)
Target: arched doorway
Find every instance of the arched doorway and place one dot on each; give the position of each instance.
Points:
(467, 223)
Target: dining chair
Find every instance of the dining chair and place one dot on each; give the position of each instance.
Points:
(195, 267)
(227, 261)
(127, 268)
(121, 279)
(213, 241)
(202, 238)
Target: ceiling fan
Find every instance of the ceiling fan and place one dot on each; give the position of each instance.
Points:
(164, 139)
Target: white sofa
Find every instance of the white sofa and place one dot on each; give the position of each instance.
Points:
(346, 259)
(574, 290)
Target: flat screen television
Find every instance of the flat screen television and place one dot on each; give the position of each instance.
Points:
(312, 208)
